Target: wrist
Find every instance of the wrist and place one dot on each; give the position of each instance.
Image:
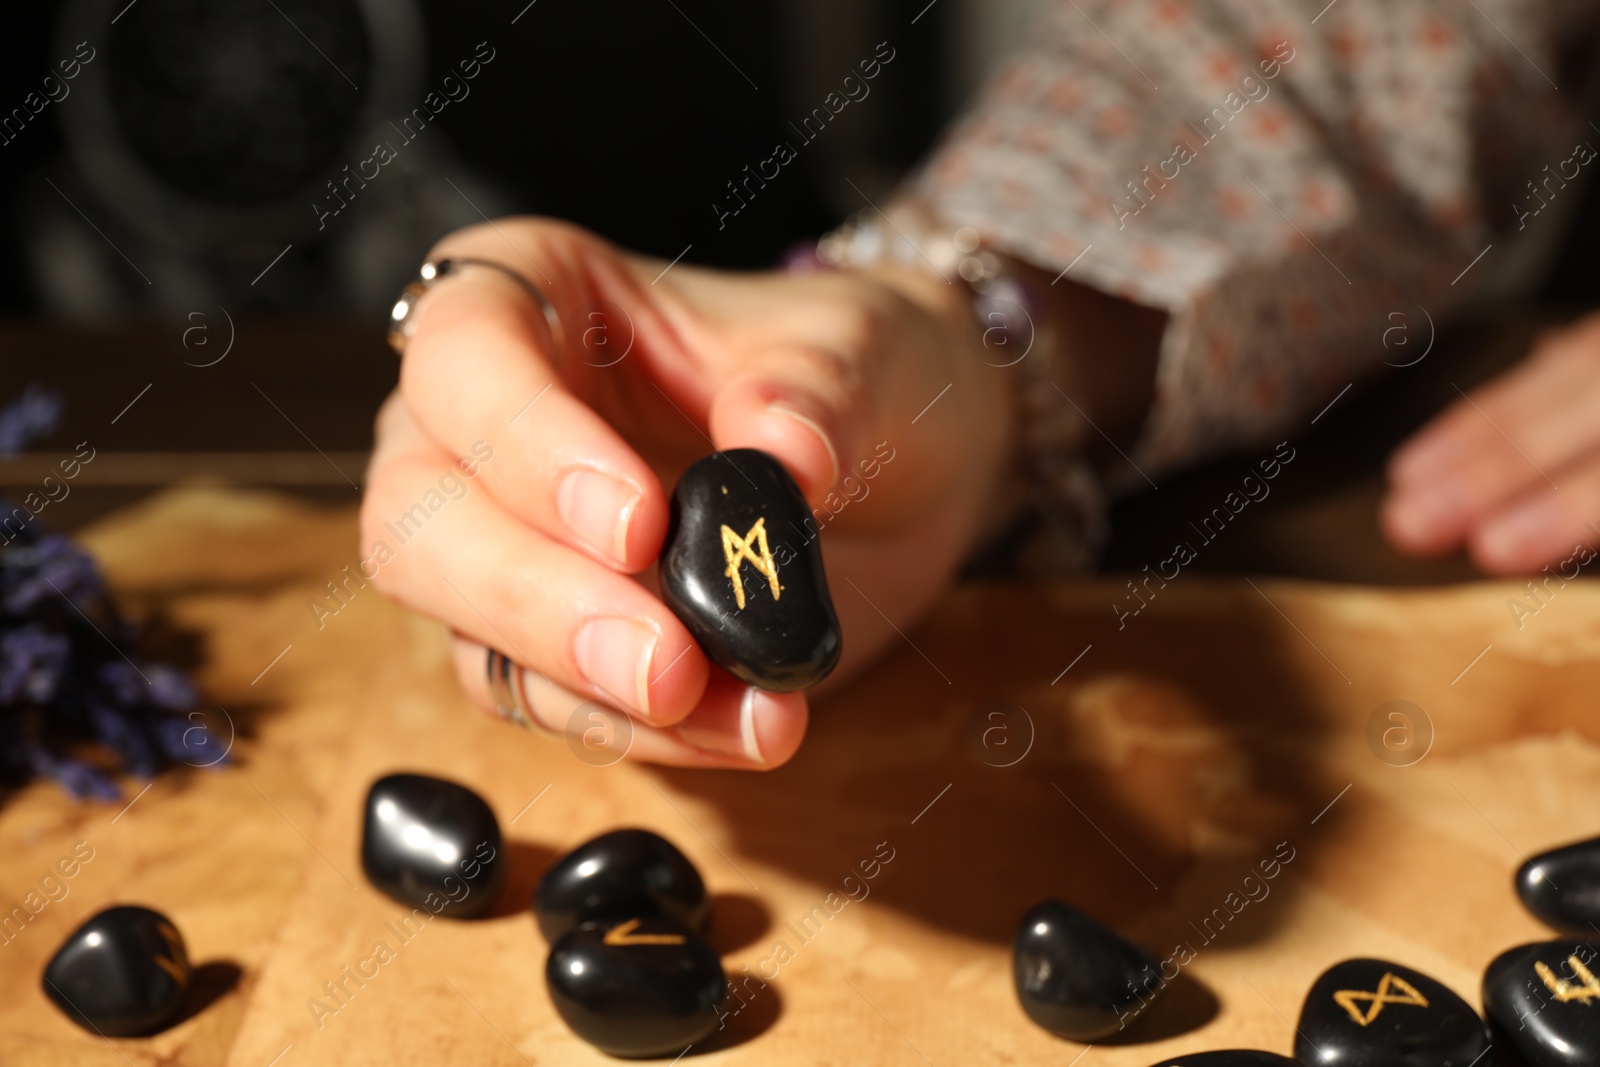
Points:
(1043, 369)
(1101, 353)
(984, 385)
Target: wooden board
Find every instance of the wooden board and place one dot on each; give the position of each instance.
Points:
(1225, 726)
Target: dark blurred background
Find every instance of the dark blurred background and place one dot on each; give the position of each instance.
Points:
(200, 135)
(190, 252)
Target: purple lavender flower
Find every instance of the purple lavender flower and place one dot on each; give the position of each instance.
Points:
(32, 415)
(33, 665)
(76, 776)
(51, 567)
(122, 684)
(64, 680)
(124, 733)
(188, 740)
(169, 689)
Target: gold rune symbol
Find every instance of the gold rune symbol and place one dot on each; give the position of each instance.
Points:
(1565, 991)
(178, 964)
(624, 935)
(1346, 998)
(737, 549)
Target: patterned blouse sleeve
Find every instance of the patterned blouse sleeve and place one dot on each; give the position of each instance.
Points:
(1280, 179)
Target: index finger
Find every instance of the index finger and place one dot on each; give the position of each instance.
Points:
(479, 373)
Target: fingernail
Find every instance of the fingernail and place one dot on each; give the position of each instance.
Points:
(1437, 448)
(1409, 519)
(1510, 538)
(811, 424)
(738, 738)
(1427, 513)
(1419, 458)
(614, 656)
(597, 509)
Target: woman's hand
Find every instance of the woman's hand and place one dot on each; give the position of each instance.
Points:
(1513, 472)
(657, 367)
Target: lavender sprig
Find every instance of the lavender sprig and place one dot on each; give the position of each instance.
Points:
(29, 417)
(65, 681)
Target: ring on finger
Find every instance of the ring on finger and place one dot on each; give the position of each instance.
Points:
(402, 325)
(505, 689)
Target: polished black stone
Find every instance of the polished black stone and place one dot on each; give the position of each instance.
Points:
(620, 875)
(738, 521)
(432, 844)
(1562, 887)
(123, 973)
(1235, 1057)
(1543, 1000)
(642, 986)
(1372, 1013)
(1078, 978)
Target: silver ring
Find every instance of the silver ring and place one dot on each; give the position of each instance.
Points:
(505, 687)
(401, 326)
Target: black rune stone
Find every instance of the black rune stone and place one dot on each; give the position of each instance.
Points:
(1076, 977)
(1371, 1013)
(640, 987)
(124, 973)
(432, 844)
(742, 567)
(1237, 1057)
(1562, 887)
(623, 874)
(1543, 1000)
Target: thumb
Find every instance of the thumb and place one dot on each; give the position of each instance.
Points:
(808, 408)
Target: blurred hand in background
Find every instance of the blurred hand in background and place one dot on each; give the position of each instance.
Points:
(1511, 471)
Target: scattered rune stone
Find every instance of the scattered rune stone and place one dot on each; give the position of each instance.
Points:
(123, 973)
(432, 844)
(1078, 978)
(1562, 887)
(618, 875)
(1543, 1000)
(645, 986)
(1372, 1013)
